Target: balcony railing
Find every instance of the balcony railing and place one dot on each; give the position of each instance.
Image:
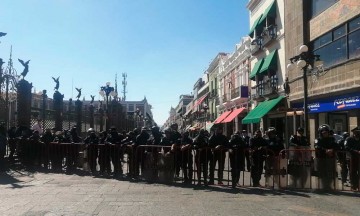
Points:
(266, 89)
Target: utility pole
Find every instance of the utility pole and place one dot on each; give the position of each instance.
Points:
(124, 83)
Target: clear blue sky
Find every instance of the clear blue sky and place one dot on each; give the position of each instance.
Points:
(163, 45)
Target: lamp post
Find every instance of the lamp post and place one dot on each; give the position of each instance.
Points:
(305, 59)
(105, 92)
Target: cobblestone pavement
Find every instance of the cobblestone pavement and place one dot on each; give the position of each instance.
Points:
(23, 193)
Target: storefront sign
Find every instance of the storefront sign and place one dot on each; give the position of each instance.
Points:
(345, 102)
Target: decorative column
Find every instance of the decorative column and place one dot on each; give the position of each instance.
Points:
(78, 111)
(44, 96)
(24, 103)
(58, 107)
(91, 115)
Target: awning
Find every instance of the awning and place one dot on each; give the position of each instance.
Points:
(208, 126)
(251, 33)
(187, 127)
(233, 115)
(256, 68)
(222, 117)
(262, 109)
(200, 100)
(188, 112)
(270, 11)
(270, 62)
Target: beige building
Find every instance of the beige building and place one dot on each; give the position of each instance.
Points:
(268, 66)
(234, 88)
(330, 29)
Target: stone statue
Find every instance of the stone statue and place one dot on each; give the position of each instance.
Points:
(1, 63)
(26, 67)
(79, 93)
(57, 83)
(92, 99)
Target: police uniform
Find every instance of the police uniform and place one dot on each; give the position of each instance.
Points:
(203, 156)
(237, 148)
(218, 142)
(257, 145)
(187, 157)
(325, 147)
(352, 144)
(92, 142)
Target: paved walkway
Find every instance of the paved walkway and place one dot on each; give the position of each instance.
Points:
(23, 193)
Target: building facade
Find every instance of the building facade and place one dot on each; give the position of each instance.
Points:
(330, 29)
(268, 66)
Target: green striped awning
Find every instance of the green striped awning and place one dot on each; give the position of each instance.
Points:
(262, 109)
(270, 62)
(256, 68)
(251, 33)
(270, 11)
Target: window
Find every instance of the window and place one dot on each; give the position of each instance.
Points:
(323, 40)
(354, 44)
(354, 24)
(131, 108)
(339, 45)
(273, 81)
(333, 53)
(260, 87)
(318, 6)
(339, 32)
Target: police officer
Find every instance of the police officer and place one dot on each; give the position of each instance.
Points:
(245, 137)
(2, 148)
(258, 150)
(176, 140)
(12, 142)
(155, 140)
(187, 157)
(344, 163)
(218, 142)
(92, 142)
(104, 154)
(275, 144)
(237, 148)
(141, 139)
(73, 153)
(299, 139)
(325, 147)
(352, 144)
(203, 156)
(46, 139)
(114, 140)
(166, 141)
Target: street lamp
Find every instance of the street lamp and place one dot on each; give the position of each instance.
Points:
(305, 59)
(105, 92)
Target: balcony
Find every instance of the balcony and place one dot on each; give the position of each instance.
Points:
(213, 94)
(265, 90)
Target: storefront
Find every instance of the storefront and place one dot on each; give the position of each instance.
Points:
(340, 112)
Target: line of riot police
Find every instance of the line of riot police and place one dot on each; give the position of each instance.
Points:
(167, 153)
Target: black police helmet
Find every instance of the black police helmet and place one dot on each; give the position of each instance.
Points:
(323, 128)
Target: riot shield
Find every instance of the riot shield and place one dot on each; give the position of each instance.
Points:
(325, 168)
(166, 167)
(299, 167)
